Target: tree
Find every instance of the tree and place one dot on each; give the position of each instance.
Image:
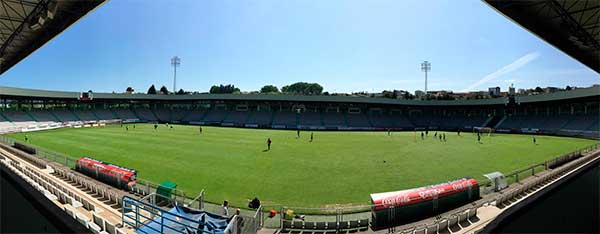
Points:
(129, 90)
(389, 94)
(568, 88)
(224, 89)
(269, 89)
(180, 92)
(539, 90)
(303, 88)
(152, 90)
(164, 90)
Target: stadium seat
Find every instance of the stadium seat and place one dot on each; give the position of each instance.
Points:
(453, 223)
(332, 226)
(297, 224)
(472, 215)
(431, 229)
(321, 225)
(462, 218)
(343, 225)
(286, 225)
(94, 228)
(110, 228)
(309, 225)
(67, 208)
(363, 224)
(420, 230)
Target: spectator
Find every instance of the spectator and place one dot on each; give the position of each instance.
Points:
(254, 204)
(224, 208)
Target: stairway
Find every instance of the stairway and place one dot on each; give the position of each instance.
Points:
(76, 116)
(55, 116)
(496, 121)
(5, 118)
(136, 114)
(31, 116)
(95, 115)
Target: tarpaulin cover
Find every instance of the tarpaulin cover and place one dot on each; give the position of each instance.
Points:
(183, 220)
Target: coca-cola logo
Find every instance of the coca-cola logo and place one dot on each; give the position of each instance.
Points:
(396, 200)
(430, 193)
(461, 186)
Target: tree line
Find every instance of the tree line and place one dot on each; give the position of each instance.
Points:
(299, 88)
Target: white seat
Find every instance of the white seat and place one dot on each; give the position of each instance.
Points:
(94, 228)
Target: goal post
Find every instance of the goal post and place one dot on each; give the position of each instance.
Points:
(484, 130)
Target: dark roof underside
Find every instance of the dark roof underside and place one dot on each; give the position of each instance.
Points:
(572, 26)
(26, 25)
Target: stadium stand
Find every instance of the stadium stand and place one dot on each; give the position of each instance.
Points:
(310, 119)
(574, 113)
(358, 120)
(334, 120)
(65, 115)
(284, 119)
(19, 118)
(215, 116)
(381, 120)
(145, 114)
(164, 115)
(43, 116)
(194, 116)
(86, 115)
(104, 114)
(177, 115)
(125, 114)
(235, 118)
(259, 118)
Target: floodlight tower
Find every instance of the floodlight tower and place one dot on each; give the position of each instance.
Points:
(425, 67)
(175, 61)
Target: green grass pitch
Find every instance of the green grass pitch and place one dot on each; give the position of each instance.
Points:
(336, 168)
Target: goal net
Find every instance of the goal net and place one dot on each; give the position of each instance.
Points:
(483, 130)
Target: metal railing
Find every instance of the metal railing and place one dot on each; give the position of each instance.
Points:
(144, 217)
(198, 199)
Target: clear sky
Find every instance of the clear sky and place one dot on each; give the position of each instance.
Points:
(345, 45)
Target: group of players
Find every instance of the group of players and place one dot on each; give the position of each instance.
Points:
(441, 136)
(312, 138)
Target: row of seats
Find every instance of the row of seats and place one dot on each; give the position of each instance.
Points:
(109, 197)
(552, 123)
(40, 163)
(324, 227)
(55, 192)
(71, 202)
(316, 119)
(578, 125)
(449, 224)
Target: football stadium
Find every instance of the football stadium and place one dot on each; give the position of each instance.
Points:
(102, 162)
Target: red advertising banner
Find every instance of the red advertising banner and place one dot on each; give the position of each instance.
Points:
(124, 174)
(416, 195)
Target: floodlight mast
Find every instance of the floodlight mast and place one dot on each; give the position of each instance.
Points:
(175, 61)
(425, 67)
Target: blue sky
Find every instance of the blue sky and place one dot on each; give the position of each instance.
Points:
(346, 46)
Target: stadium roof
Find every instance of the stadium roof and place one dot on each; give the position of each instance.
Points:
(26, 25)
(572, 26)
(9, 92)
